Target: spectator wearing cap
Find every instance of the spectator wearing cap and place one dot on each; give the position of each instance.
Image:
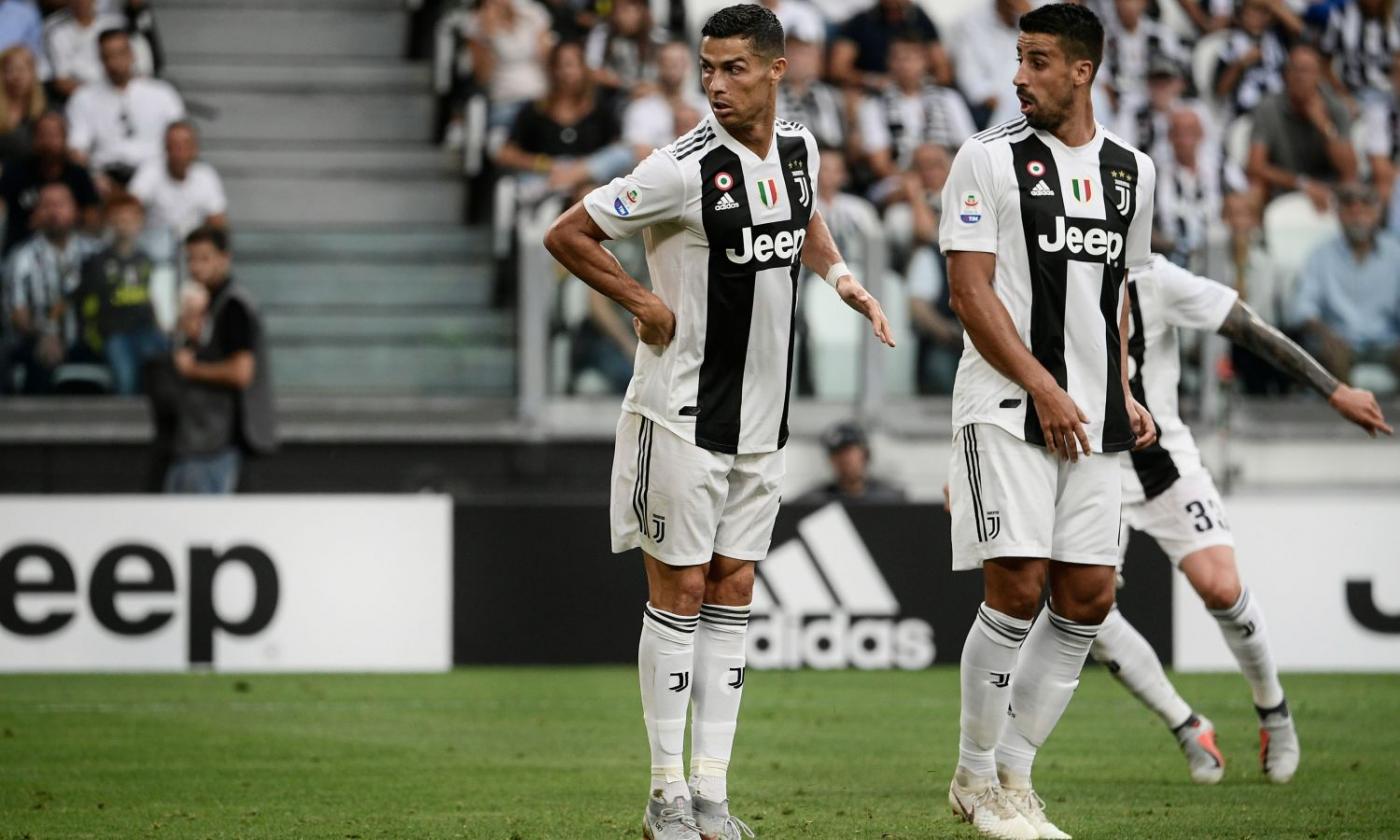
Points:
(985, 53)
(180, 191)
(804, 98)
(650, 122)
(22, 101)
(1132, 44)
(860, 55)
(71, 41)
(1250, 67)
(1348, 297)
(20, 24)
(48, 163)
(1300, 136)
(912, 111)
(848, 451)
(119, 123)
(1142, 118)
(1191, 183)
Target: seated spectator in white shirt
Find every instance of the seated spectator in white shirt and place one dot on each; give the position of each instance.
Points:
(804, 98)
(119, 123)
(985, 55)
(650, 122)
(912, 111)
(509, 41)
(71, 39)
(181, 192)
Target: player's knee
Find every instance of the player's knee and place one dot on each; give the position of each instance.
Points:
(1084, 605)
(1214, 577)
(680, 593)
(1018, 601)
(1219, 592)
(730, 590)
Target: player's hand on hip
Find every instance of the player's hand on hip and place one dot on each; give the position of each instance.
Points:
(1062, 423)
(656, 325)
(858, 298)
(1144, 427)
(1360, 407)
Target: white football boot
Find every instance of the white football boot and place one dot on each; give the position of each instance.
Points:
(1197, 739)
(715, 821)
(1278, 745)
(983, 803)
(1031, 807)
(662, 821)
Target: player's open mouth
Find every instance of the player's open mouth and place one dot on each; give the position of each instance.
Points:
(1026, 103)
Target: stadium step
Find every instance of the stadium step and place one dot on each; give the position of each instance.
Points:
(391, 369)
(318, 200)
(214, 28)
(328, 115)
(373, 158)
(304, 284)
(343, 324)
(289, 74)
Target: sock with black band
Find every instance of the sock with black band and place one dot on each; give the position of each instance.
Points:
(719, 690)
(665, 662)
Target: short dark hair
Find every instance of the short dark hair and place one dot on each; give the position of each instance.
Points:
(108, 34)
(1078, 30)
(908, 35)
(216, 236)
(121, 200)
(751, 21)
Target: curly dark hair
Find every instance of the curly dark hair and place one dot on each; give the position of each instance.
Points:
(751, 21)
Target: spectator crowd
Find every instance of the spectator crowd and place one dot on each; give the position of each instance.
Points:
(1255, 111)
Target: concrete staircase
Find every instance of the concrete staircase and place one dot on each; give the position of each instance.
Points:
(346, 213)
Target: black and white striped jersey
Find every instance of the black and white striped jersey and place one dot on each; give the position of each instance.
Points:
(1065, 224)
(1363, 45)
(1166, 297)
(724, 232)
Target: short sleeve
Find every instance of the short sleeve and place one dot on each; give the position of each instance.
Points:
(216, 199)
(969, 221)
(1189, 300)
(80, 130)
(1138, 248)
(236, 334)
(653, 193)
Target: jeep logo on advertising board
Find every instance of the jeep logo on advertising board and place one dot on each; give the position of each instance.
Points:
(821, 602)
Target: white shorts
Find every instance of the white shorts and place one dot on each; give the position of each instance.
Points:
(1186, 518)
(681, 503)
(1015, 499)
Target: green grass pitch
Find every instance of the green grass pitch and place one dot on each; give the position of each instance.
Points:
(529, 754)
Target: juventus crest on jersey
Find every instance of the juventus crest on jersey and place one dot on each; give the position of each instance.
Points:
(1065, 224)
(724, 231)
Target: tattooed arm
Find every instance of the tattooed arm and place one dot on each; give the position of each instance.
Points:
(1244, 327)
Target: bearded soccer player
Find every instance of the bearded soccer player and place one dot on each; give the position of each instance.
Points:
(1170, 496)
(1043, 216)
(728, 220)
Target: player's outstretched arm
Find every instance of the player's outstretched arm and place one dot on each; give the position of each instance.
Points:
(576, 242)
(1244, 327)
(821, 255)
(989, 325)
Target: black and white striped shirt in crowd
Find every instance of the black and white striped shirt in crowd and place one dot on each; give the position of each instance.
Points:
(1260, 79)
(818, 107)
(1128, 55)
(901, 122)
(1382, 127)
(1363, 46)
(1065, 224)
(1189, 198)
(723, 230)
(40, 275)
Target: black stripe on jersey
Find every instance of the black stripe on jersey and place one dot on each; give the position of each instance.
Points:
(1154, 465)
(792, 152)
(729, 308)
(1047, 270)
(643, 483)
(695, 144)
(1001, 130)
(1118, 172)
(974, 480)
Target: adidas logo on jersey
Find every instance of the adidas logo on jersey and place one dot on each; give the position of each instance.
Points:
(821, 602)
(726, 202)
(1042, 190)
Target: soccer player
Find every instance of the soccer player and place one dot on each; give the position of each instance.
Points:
(728, 219)
(1043, 216)
(1168, 494)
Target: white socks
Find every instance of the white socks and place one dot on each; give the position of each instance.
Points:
(1054, 654)
(665, 659)
(1129, 657)
(1243, 627)
(988, 660)
(719, 688)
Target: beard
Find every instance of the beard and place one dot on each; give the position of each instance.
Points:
(1045, 117)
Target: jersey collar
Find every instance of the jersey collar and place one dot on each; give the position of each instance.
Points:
(744, 152)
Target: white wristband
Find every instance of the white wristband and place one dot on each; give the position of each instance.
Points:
(836, 273)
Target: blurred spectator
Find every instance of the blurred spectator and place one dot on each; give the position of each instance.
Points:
(1382, 137)
(621, 52)
(845, 214)
(1300, 136)
(1251, 65)
(47, 164)
(20, 24)
(115, 292)
(71, 40)
(913, 207)
(603, 343)
(803, 97)
(986, 60)
(1133, 43)
(940, 336)
(40, 279)
(912, 111)
(1208, 15)
(180, 191)
(1252, 273)
(1348, 297)
(1361, 37)
(570, 138)
(1142, 119)
(848, 450)
(800, 19)
(509, 41)
(22, 100)
(860, 55)
(119, 124)
(1191, 184)
(226, 401)
(651, 121)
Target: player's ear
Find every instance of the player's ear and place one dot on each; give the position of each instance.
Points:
(1083, 71)
(778, 69)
